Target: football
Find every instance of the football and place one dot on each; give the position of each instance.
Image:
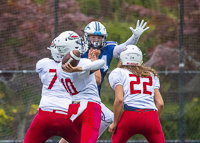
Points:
(72, 57)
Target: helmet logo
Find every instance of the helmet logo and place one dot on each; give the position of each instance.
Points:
(52, 44)
(133, 64)
(124, 49)
(73, 37)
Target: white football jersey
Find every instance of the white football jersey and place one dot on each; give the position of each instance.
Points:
(138, 91)
(81, 86)
(54, 96)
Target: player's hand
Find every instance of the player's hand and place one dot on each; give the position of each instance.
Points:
(93, 54)
(112, 128)
(139, 28)
(69, 68)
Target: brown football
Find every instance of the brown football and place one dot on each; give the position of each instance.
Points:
(72, 59)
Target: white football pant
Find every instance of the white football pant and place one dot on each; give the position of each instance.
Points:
(107, 117)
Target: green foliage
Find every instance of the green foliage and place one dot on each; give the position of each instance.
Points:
(33, 109)
(4, 118)
(145, 3)
(170, 128)
(13, 42)
(190, 118)
(5, 123)
(90, 8)
(15, 107)
(118, 31)
(39, 1)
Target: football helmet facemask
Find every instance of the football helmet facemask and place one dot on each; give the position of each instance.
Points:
(97, 29)
(131, 55)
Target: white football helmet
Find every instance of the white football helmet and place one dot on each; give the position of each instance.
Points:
(131, 55)
(95, 28)
(54, 51)
(68, 41)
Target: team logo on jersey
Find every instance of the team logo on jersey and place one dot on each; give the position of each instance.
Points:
(72, 36)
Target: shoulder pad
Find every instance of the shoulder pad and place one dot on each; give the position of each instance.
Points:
(44, 60)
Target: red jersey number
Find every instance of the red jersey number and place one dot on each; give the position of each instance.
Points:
(67, 84)
(132, 83)
(53, 79)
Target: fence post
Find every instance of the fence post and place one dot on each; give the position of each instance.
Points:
(56, 18)
(181, 74)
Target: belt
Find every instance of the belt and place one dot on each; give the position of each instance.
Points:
(148, 110)
(139, 110)
(76, 102)
(130, 108)
(55, 111)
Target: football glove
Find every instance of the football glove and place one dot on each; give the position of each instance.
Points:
(139, 28)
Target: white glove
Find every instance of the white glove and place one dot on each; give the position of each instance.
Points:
(139, 28)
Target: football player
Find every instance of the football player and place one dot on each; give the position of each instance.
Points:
(137, 90)
(80, 83)
(52, 118)
(95, 36)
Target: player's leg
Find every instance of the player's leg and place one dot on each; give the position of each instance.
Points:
(126, 127)
(36, 133)
(153, 130)
(62, 126)
(107, 117)
(91, 119)
(47, 124)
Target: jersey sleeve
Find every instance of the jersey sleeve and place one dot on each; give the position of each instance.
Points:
(40, 64)
(118, 48)
(115, 78)
(95, 65)
(157, 82)
(83, 62)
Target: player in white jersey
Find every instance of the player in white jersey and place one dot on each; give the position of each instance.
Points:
(137, 90)
(85, 112)
(52, 118)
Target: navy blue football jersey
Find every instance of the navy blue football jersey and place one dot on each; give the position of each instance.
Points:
(106, 55)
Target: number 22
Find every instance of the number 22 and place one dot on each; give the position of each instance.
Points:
(132, 91)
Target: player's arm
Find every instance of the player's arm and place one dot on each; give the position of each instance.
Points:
(133, 39)
(98, 77)
(92, 66)
(118, 103)
(93, 55)
(158, 101)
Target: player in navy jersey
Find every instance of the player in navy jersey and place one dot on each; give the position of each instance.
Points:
(137, 90)
(95, 36)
